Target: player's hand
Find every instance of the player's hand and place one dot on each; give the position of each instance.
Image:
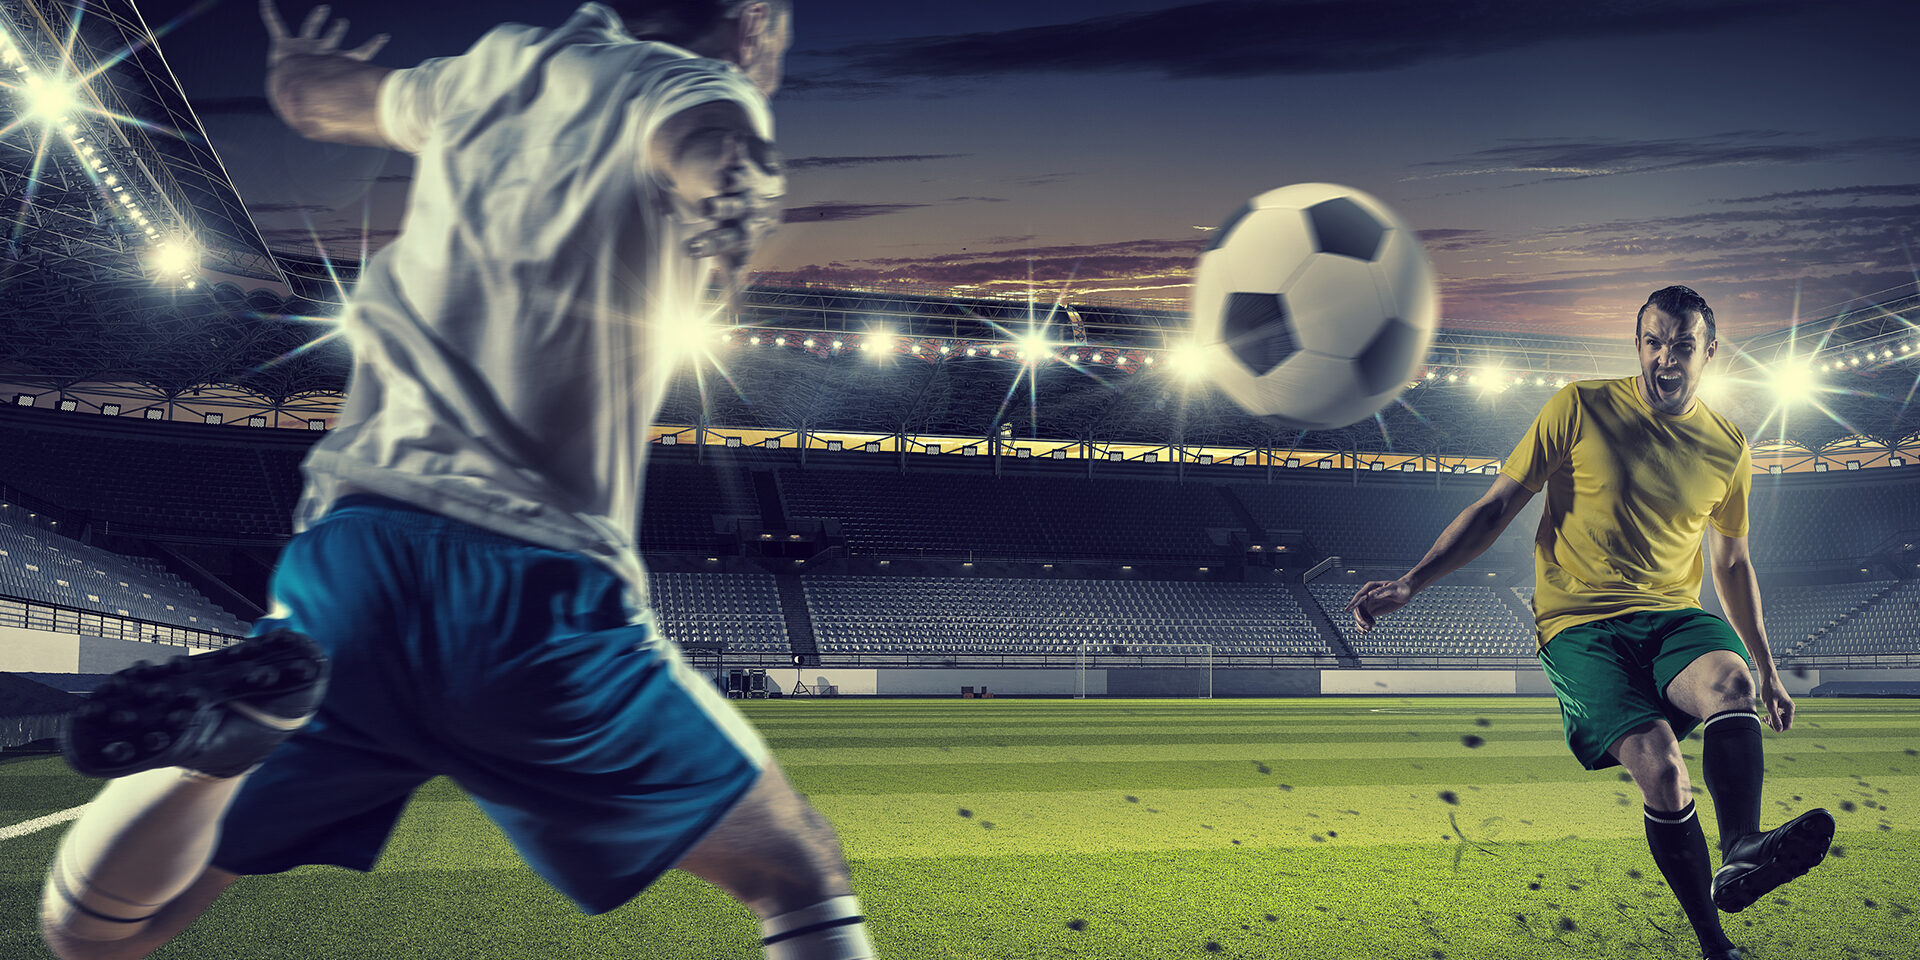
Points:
(1378, 598)
(1773, 694)
(753, 181)
(310, 42)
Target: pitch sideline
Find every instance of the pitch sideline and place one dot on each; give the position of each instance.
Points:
(38, 824)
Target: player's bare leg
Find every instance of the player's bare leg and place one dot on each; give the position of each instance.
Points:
(132, 872)
(779, 856)
(178, 740)
(1652, 757)
(1717, 689)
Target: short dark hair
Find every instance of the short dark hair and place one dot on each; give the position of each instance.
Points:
(1676, 301)
(683, 22)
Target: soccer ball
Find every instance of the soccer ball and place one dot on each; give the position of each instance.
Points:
(1315, 305)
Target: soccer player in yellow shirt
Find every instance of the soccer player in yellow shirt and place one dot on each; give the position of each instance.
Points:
(1636, 470)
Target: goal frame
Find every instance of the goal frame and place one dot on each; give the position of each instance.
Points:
(1087, 655)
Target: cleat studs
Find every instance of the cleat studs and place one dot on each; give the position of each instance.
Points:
(156, 741)
(179, 718)
(118, 751)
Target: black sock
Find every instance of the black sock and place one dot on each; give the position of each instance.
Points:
(1680, 850)
(1732, 762)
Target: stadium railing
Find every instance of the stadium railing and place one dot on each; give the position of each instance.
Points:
(37, 615)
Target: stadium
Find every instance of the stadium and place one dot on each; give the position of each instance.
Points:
(870, 511)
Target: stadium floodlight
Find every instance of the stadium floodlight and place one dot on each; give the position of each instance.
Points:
(973, 351)
(1453, 378)
(1794, 383)
(755, 340)
(1715, 390)
(838, 344)
(175, 257)
(1033, 346)
(50, 98)
(689, 339)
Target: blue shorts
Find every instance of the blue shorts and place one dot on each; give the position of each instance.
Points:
(513, 669)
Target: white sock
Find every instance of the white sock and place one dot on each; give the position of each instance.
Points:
(140, 843)
(828, 930)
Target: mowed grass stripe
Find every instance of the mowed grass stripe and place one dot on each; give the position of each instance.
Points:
(1407, 748)
(934, 735)
(1235, 773)
(1567, 899)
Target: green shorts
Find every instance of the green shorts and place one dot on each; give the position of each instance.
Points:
(1611, 675)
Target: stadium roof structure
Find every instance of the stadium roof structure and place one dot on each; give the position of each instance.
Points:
(916, 364)
(103, 163)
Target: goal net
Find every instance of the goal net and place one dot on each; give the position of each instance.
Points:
(1181, 669)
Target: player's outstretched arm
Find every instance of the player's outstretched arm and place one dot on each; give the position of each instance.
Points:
(1468, 536)
(320, 90)
(1739, 590)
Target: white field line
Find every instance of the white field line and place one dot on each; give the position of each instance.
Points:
(38, 824)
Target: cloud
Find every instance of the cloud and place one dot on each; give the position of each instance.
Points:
(1245, 38)
(1452, 238)
(836, 211)
(810, 163)
(1768, 265)
(211, 106)
(1575, 159)
(259, 208)
(300, 242)
(1876, 190)
(1130, 265)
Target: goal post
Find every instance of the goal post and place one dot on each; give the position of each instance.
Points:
(1193, 659)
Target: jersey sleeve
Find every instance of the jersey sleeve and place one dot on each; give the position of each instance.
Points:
(413, 100)
(1729, 516)
(1547, 442)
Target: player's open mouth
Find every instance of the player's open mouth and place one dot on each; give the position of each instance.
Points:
(1668, 384)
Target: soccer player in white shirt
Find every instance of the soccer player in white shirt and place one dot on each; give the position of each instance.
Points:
(464, 595)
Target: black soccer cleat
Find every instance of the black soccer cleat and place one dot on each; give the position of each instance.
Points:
(219, 713)
(1759, 862)
(1725, 953)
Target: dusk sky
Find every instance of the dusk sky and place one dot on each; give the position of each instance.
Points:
(1560, 159)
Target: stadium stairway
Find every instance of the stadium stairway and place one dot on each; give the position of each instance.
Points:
(1255, 532)
(1519, 607)
(766, 489)
(793, 608)
(1335, 640)
(1839, 620)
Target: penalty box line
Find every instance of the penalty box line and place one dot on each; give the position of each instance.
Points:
(38, 824)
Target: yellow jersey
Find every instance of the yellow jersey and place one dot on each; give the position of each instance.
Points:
(1629, 494)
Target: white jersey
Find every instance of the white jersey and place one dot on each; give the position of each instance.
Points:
(507, 356)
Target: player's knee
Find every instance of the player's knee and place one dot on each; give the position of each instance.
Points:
(1735, 690)
(1663, 780)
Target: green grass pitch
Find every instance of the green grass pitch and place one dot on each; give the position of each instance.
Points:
(1316, 828)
